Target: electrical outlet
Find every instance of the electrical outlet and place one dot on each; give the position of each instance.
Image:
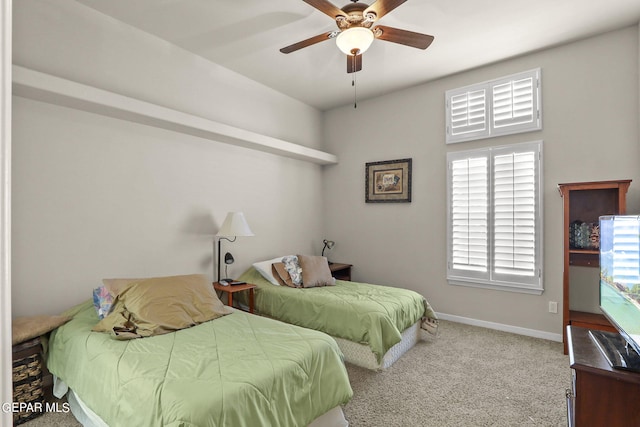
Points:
(553, 307)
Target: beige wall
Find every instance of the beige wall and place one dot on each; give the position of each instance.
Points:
(96, 197)
(590, 118)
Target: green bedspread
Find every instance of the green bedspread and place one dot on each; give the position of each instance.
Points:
(237, 370)
(368, 314)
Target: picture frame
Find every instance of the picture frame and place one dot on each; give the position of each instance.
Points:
(388, 181)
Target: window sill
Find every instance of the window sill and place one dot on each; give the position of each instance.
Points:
(502, 286)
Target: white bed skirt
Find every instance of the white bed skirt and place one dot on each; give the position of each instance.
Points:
(85, 416)
(361, 355)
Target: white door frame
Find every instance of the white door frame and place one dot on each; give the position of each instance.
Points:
(6, 382)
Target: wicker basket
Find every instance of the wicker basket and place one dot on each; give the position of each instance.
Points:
(27, 380)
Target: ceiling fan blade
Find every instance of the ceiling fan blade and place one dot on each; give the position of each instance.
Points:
(326, 7)
(408, 38)
(382, 7)
(308, 42)
(354, 63)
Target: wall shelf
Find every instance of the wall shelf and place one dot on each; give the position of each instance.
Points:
(44, 87)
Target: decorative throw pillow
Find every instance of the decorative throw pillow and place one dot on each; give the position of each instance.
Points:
(315, 271)
(162, 305)
(282, 275)
(264, 268)
(294, 269)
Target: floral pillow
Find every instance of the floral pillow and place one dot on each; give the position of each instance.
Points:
(293, 268)
(102, 301)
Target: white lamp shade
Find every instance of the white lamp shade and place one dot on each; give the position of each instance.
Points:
(234, 225)
(358, 38)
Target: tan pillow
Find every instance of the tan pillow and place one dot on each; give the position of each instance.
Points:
(315, 271)
(115, 286)
(282, 275)
(25, 328)
(161, 305)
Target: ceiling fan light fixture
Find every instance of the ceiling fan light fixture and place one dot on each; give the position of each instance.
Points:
(356, 39)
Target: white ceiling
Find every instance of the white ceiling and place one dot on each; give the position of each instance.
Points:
(246, 35)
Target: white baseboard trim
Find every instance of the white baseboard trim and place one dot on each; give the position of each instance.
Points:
(501, 327)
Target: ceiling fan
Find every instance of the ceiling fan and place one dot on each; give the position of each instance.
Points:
(355, 31)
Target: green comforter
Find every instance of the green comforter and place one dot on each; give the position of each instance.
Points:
(368, 314)
(237, 370)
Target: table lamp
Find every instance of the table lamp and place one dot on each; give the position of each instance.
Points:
(328, 244)
(234, 225)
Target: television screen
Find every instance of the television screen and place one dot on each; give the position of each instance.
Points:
(620, 275)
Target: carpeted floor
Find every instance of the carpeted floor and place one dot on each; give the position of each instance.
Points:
(467, 376)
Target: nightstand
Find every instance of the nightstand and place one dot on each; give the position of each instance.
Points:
(232, 289)
(32, 381)
(340, 271)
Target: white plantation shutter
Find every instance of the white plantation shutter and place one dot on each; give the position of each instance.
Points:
(494, 218)
(468, 114)
(469, 213)
(513, 103)
(498, 107)
(514, 200)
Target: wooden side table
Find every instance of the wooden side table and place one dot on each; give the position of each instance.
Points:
(232, 289)
(341, 271)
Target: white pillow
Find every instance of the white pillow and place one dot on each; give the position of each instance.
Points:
(264, 268)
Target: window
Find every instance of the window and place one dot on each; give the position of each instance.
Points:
(498, 107)
(494, 218)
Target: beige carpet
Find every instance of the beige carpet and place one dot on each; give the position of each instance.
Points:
(467, 376)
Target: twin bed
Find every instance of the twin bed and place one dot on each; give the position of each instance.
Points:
(238, 369)
(373, 325)
(235, 370)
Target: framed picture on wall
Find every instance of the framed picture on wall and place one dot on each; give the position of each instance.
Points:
(388, 181)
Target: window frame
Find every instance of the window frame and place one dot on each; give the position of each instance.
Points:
(489, 129)
(490, 279)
